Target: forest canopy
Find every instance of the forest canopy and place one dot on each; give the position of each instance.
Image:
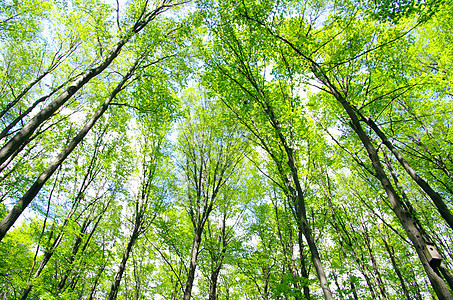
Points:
(193, 149)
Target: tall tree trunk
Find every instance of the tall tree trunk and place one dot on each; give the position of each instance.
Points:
(435, 197)
(377, 273)
(22, 204)
(77, 244)
(28, 129)
(303, 225)
(19, 118)
(47, 256)
(447, 275)
(213, 283)
(96, 281)
(362, 266)
(22, 94)
(339, 287)
(415, 234)
(303, 267)
(288, 250)
(122, 266)
(300, 207)
(193, 261)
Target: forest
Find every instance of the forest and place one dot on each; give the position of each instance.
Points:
(250, 149)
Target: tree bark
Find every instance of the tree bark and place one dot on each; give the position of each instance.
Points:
(343, 251)
(374, 264)
(75, 248)
(362, 266)
(303, 267)
(213, 283)
(47, 256)
(95, 284)
(5, 131)
(301, 208)
(416, 235)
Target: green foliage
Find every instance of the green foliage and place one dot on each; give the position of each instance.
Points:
(231, 102)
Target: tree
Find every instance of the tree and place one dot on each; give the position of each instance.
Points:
(21, 137)
(226, 150)
(210, 154)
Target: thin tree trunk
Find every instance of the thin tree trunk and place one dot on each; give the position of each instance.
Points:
(5, 131)
(287, 253)
(414, 233)
(218, 261)
(75, 250)
(362, 267)
(374, 264)
(22, 94)
(303, 267)
(28, 129)
(56, 61)
(49, 110)
(122, 266)
(301, 209)
(22, 204)
(395, 266)
(414, 287)
(95, 284)
(343, 251)
(47, 256)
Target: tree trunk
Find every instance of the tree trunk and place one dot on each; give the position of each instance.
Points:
(339, 290)
(122, 266)
(28, 129)
(44, 261)
(17, 210)
(374, 264)
(395, 266)
(213, 283)
(447, 275)
(362, 266)
(95, 284)
(301, 209)
(343, 251)
(414, 233)
(303, 267)
(49, 110)
(435, 197)
(289, 250)
(75, 250)
(22, 94)
(193, 262)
